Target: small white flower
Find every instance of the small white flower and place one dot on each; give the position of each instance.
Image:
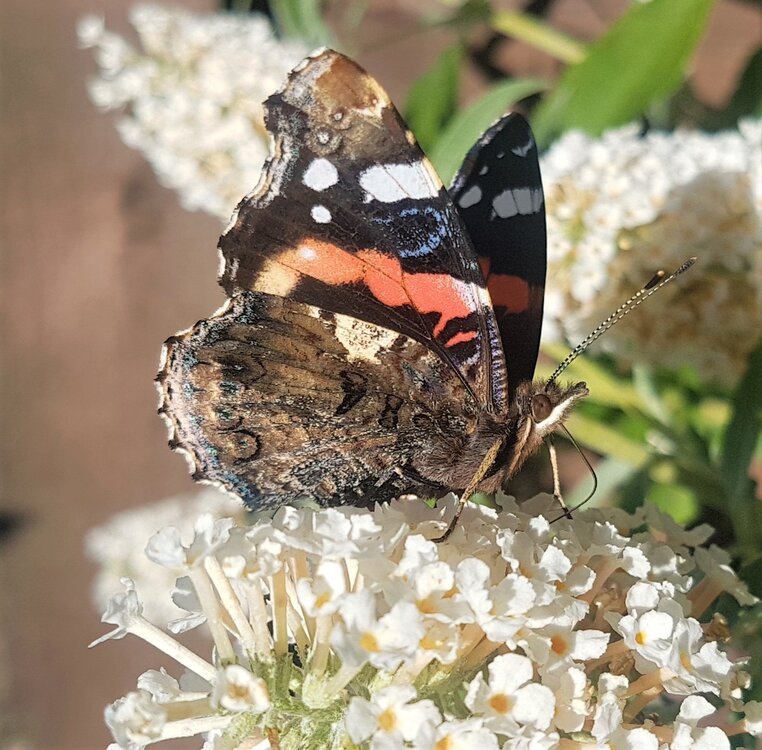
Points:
(501, 609)
(688, 736)
(650, 634)
(210, 533)
(715, 563)
(468, 734)
(135, 720)
(112, 547)
(191, 98)
(123, 609)
(625, 205)
(753, 718)
(509, 698)
(381, 641)
(390, 716)
(237, 689)
(570, 688)
(323, 594)
(609, 707)
(346, 618)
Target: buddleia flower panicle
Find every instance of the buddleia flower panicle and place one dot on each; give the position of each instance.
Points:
(112, 547)
(349, 628)
(190, 96)
(625, 205)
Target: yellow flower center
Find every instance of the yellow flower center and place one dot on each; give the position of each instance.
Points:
(500, 703)
(558, 645)
(425, 606)
(322, 600)
(444, 744)
(369, 643)
(387, 720)
(685, 660)
(640, 638)
(429, 644)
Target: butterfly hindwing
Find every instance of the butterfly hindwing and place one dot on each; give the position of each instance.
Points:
(498, 192)
(276, 400)
(350, 217)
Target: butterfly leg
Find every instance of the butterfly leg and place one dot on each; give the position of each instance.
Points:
(484, 467)
(557, 496)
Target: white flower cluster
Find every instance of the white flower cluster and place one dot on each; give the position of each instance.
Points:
(112, 547)
(191, 99)
(347, 628)
(624, 206)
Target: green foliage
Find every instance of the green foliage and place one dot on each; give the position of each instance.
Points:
(741, 438)
(641, 60)
(302, 19)
(465, 127)
(433, 98)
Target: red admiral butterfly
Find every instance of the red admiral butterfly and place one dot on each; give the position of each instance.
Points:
(382, 332)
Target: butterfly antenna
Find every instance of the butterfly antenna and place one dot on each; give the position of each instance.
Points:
(568, 511)
(659, 279)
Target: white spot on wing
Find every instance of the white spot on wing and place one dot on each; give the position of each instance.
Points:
(521, 201)
(307, 253)
(362, 340)
(320, 214)
(471, 197)
(320, 175)
(389, 183)
(525, 149)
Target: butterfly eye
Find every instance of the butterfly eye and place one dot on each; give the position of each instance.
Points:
(541, 407)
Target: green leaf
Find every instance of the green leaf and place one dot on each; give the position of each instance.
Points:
(611, 473)
(677, 500)
(641, 60)
(743, 430)
(607, 441)
(433, 98)
(741, 437)
(747, 99)
(463, 130)
(302, 19)
(539, 34)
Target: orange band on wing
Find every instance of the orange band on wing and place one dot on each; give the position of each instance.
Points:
(461, 337)
(510, 292)
(384, 278)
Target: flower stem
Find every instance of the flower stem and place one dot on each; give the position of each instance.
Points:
(601, 577)
(702, 596)
(649, 682)
(530, 30)
(321, 645)
(279, 601)
(231, 604)
(193, 727)
(258, 620)
(164, 642)
(214, 614)
(640, 702)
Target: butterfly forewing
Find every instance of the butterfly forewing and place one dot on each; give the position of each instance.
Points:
(498, 192)
(351, 218)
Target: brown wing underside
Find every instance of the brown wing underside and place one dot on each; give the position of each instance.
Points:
(276, 400)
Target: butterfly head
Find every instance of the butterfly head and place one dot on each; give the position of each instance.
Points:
(540, 408)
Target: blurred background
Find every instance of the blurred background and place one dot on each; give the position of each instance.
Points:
(100, 263)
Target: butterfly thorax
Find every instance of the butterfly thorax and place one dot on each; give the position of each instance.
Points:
(537, 409)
